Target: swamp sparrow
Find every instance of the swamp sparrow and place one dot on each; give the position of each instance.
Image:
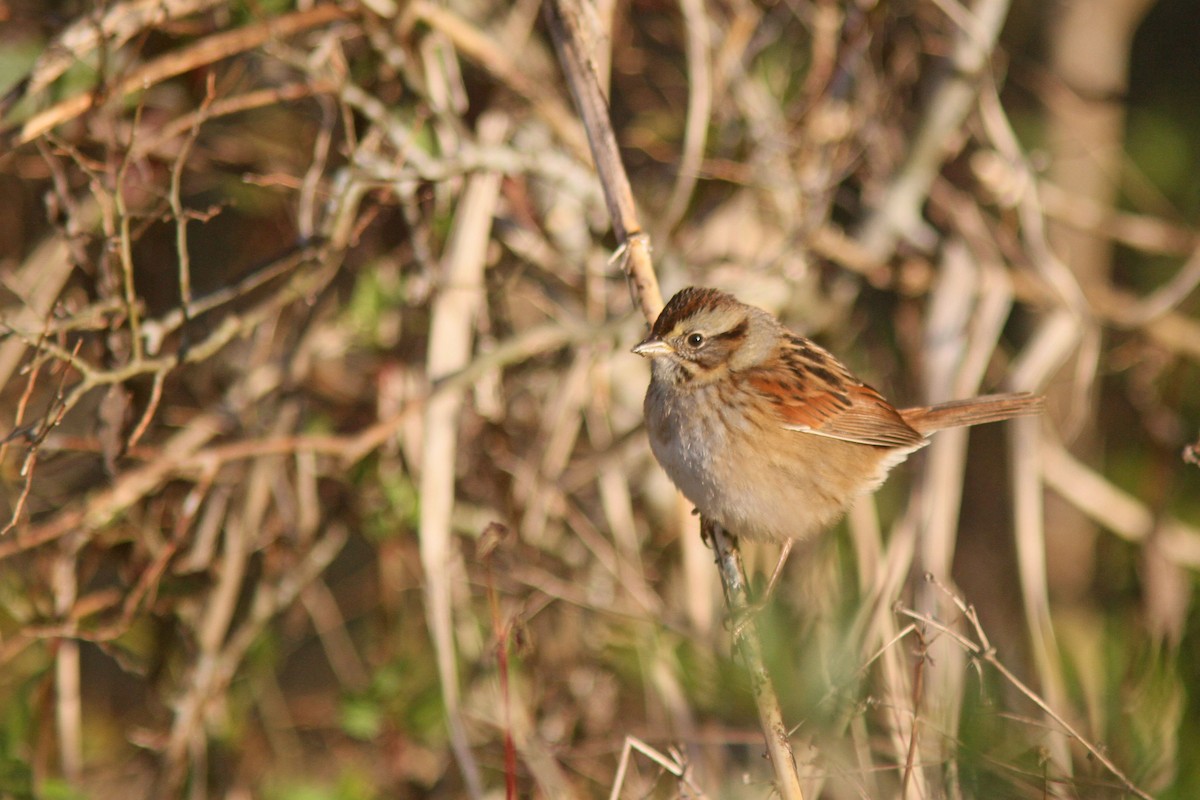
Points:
(767, 433)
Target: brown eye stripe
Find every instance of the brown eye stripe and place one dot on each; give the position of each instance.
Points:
(736, 333)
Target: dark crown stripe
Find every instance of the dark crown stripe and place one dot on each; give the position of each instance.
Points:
(685, 303)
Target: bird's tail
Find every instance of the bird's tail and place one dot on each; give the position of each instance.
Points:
(974, 411)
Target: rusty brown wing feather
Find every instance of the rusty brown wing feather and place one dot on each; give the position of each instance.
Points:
(816, 394)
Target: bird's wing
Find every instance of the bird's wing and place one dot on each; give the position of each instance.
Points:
(817, 395)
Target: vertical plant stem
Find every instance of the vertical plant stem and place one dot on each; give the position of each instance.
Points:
(68, 703)
(562, 20)
(746, 639)
(453, 318)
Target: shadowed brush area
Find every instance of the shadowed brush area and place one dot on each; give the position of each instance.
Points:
(322, 464)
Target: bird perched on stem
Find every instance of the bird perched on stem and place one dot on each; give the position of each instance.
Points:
(768, 434)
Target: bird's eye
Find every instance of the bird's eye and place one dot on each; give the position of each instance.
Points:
(695, 339)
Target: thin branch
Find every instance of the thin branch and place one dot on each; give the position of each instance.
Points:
(984, 651)
(206, 51)
(746, 638)
(634, 247)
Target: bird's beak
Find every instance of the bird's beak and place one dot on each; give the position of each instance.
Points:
(651, 347)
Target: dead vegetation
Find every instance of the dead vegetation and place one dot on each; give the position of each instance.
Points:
(322, 471)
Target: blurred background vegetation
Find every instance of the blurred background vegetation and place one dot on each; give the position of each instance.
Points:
(322, 472)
